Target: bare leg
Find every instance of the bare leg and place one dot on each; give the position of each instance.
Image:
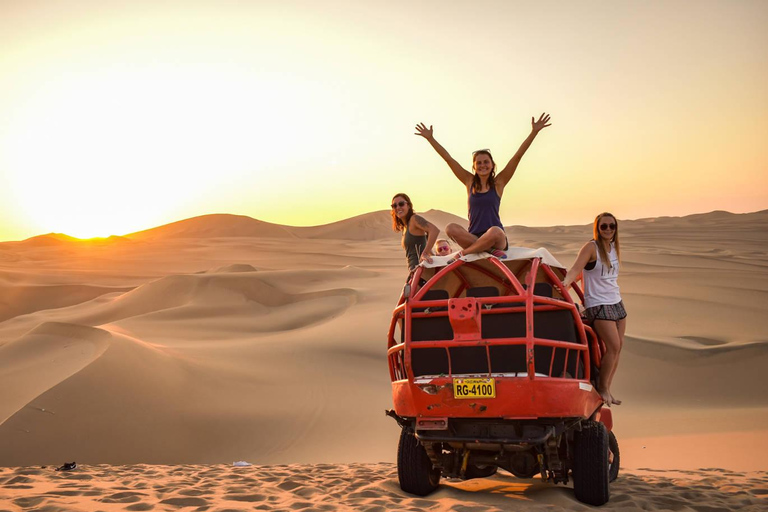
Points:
(621, 326)
(608, 331)
(494, 238)
(460, 235)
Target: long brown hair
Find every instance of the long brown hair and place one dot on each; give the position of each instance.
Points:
(491, 177)
(599, 240)
(397, 223)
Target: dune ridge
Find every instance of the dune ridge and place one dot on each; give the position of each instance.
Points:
(47, 355)
(24, 299)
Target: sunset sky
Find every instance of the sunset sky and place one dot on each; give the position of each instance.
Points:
(117, 116)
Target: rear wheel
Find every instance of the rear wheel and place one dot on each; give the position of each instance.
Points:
(414, 469)
(591, 467)
(613, 458)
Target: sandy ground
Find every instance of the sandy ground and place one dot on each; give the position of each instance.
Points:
(363, 487)
(222, 338)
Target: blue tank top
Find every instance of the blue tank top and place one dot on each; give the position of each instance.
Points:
(484, 211)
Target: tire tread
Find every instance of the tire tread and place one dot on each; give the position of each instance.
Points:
(590, 472)
(414, 469)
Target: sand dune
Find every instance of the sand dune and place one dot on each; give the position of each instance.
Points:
(24, 299)
(206, 343)
(213, 226)
(41, 359)
(161, 367)
(368, 226)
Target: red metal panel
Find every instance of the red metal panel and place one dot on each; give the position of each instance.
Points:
(464, 315)
(516, 398)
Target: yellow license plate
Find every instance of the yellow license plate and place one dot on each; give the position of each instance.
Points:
(474, 388)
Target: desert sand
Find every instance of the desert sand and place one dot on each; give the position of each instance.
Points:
(368, 487)
(158, 358)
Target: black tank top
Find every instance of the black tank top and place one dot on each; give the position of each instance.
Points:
(414, 246)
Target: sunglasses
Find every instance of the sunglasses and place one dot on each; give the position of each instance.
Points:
(485, 150)
(398, 204)
(604, 227)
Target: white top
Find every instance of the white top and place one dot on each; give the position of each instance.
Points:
(513, 254)
(600, 286)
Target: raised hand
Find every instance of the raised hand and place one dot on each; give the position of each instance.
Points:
(421, 129)
(543, 122)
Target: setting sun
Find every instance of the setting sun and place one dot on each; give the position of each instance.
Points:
(119, 117)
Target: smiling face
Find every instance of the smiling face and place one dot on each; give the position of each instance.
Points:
(482, 163)
(400, 206)
(606, 226)
(442, 248)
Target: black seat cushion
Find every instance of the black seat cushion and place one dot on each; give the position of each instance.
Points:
(432, 328)
(429, 361)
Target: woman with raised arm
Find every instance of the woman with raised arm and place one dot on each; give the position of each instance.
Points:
(484, 191)
(599, 260)
(419, 234)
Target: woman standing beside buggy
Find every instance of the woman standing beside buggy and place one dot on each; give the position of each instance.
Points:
(599, 260)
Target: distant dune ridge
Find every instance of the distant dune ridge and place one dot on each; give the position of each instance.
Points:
(374, 226)
(368, 226)
(224, 338)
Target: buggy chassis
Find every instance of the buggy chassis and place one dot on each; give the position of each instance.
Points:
(492, 367)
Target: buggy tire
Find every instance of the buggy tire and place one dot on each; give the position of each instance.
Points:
(480, 471)
(414, 469)
(613, 445)
(590, 469)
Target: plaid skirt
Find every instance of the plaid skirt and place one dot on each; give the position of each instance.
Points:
(613, 312)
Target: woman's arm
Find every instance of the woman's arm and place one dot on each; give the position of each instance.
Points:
(419, 223)
(462, 174)
(586, 254)
(506, 174)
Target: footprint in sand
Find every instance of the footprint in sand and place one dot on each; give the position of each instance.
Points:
(26, 503)
(124, 497)
(185, 502)
(140, 507)
(251, 498)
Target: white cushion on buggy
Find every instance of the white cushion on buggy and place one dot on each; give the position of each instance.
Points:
(513, 253)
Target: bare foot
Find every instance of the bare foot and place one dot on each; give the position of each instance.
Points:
(615, 400)
(456, 257)
(606, 396)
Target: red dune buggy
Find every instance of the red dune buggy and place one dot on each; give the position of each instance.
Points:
(492, 367)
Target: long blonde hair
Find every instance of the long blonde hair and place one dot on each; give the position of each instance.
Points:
(599, 240)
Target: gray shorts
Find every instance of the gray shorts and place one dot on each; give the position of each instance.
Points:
(614, 312)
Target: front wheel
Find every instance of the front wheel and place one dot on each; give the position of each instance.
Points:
(590, 466)
(414, 469)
